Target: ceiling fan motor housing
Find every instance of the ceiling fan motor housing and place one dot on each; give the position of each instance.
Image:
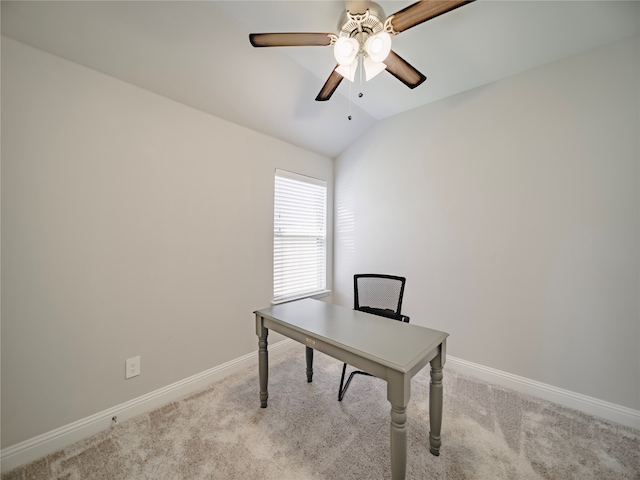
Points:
(362, 25)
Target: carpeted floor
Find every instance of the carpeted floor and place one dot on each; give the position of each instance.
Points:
(488, 432)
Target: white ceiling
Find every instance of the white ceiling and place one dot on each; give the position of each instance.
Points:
(198, 53)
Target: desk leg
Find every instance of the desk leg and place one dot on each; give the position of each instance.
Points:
(263, 365)
(435, 403)
(398, 442)
(398, 394)
(309, 364)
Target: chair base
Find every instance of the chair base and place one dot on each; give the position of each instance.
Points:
(342, 390)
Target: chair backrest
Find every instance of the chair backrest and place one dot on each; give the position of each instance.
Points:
(379, 294)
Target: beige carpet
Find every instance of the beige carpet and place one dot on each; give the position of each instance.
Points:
(221, 433)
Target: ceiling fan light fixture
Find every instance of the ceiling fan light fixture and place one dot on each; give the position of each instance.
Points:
(348, 71)
(378, 46)
(371, 68)
(345, 50)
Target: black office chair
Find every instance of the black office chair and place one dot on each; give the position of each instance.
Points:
(380, 295)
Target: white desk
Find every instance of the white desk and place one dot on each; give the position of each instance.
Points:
(388, 349)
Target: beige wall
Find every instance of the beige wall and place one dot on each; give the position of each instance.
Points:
(513, 209)
(131, 225)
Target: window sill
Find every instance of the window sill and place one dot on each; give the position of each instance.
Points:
(323, 293)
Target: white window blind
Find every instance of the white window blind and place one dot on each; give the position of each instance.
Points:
(299, 236)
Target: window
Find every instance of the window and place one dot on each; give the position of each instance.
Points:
(299, 236)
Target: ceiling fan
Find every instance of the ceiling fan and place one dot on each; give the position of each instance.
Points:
(364, 38)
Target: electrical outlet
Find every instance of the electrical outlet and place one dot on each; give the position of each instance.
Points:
(133, 367)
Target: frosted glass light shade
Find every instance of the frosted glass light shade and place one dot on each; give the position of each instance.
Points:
(371, 68)
(348, 71)
(378, 46)
(345, 50)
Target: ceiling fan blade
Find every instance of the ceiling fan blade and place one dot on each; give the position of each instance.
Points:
(403, 71)
(329, 87)
(290, 39)
(422, 11)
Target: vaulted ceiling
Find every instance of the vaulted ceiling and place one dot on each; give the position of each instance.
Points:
(198, 53)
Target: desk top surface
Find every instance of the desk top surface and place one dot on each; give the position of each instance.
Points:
(389, 342)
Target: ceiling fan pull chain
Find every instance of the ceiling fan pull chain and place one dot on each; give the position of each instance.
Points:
(360, 62)
(349, 116)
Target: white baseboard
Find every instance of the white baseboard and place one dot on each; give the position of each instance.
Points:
(37, 447)
(593, 406)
